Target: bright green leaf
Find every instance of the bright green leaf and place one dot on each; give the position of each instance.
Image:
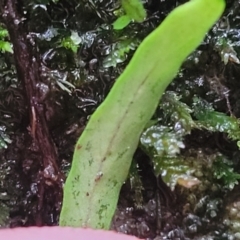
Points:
(121, 22)
(103, 154)
(134, 9)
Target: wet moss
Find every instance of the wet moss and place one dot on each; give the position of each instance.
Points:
(180, 139)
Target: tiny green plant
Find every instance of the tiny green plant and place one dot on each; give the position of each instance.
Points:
(103, 153)
(134, 10)
(5, 46)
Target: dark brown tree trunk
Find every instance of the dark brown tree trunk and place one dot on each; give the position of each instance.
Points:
(29, 71)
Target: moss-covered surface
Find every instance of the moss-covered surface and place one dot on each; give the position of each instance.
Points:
(191, 144)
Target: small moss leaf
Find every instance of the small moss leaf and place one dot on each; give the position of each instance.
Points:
(134, 9)
(121, 22)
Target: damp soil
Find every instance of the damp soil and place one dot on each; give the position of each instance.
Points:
(41, 118)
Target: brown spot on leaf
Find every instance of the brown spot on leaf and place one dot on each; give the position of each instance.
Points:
(78, 147)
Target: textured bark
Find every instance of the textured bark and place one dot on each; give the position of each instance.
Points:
(28, 71)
